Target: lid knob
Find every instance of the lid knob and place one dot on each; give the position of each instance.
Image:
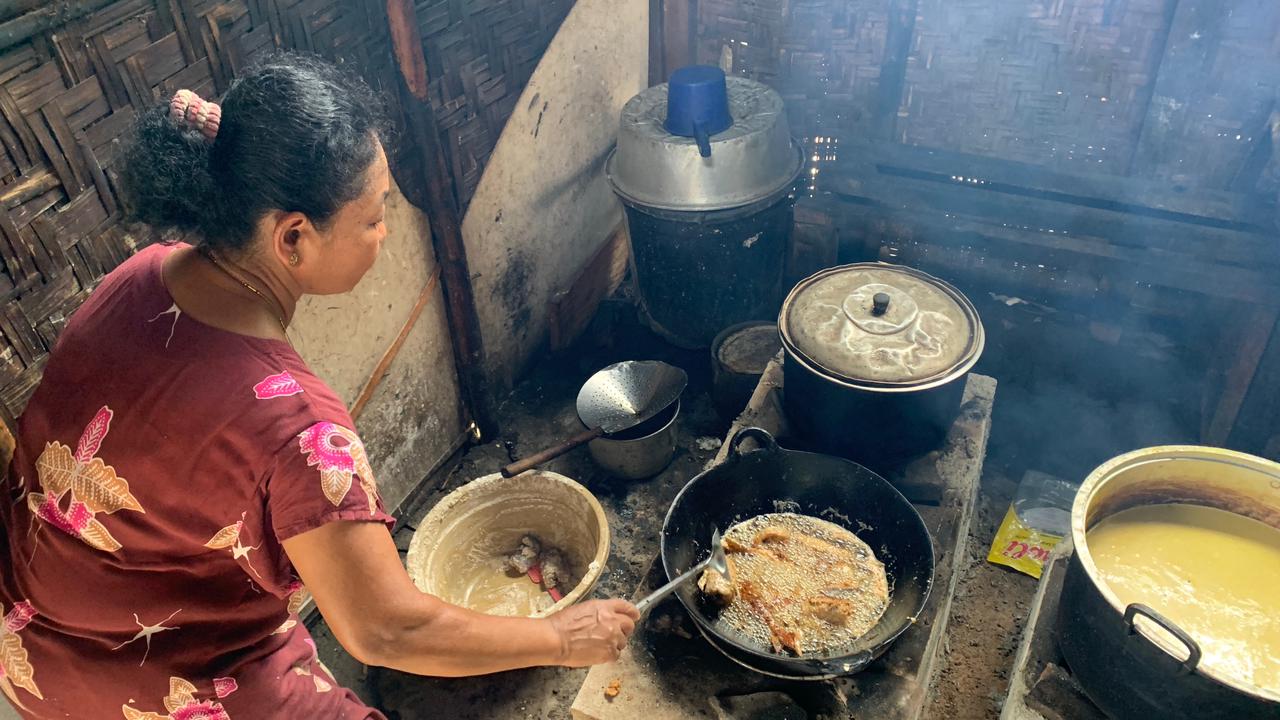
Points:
(879, 303)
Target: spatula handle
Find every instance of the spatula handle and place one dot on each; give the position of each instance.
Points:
(551, 453)
(661, 593)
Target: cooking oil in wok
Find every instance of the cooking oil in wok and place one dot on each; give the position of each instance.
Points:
(803, 586)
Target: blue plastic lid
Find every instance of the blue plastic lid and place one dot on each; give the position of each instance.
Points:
(698, 104)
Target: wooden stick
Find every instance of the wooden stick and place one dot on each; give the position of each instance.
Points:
(380, 371)
(441, 201)
(30, 24)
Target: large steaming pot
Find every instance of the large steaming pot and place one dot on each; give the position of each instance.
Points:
(709, 231)
(1133, 664)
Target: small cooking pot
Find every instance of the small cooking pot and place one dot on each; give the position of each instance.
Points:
(641, 452)
(876, 357)
(739, 356)
(1131, 661)
(769, 480)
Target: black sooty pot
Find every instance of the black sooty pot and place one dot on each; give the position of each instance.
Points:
(876, 360)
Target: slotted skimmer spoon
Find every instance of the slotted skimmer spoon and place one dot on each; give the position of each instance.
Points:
(717, 561)
(616, 398)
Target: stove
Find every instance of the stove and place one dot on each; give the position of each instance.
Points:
(670, 672)
(1040, 686)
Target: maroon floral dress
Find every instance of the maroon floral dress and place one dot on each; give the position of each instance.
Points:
(160, 465)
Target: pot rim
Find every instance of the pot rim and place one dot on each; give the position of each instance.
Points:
(1107, 471)
(779, 189)
(624, 441)
(959, 370)
(718, 342)
(418, 544)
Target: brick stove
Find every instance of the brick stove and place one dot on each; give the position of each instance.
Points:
(670, 672)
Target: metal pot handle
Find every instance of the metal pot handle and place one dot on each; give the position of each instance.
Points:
(760, 435)
(1193, 649)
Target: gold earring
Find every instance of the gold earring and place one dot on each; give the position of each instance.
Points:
(294, 259)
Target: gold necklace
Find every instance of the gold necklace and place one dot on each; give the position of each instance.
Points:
(270, 307)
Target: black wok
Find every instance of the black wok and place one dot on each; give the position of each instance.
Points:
(769, 480)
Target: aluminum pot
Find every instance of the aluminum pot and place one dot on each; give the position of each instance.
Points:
(642, 451)
(1132, 662)
(876, 358)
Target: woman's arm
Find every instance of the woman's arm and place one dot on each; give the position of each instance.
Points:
(354, 572)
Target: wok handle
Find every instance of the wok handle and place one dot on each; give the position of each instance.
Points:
(1193, 648)
(551, 453)
(760, 435)
(661, 593)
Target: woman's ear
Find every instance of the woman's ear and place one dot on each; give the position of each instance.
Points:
(290, 240)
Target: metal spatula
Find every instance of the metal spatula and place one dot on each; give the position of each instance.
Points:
(717, 561)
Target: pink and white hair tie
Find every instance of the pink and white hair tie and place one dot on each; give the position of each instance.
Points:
(196, 113)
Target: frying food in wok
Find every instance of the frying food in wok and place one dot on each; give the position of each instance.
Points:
(797, 584)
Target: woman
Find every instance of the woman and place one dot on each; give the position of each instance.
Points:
(180, 474)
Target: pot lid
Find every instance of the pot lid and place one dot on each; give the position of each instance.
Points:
(882, 325)
(753, 159)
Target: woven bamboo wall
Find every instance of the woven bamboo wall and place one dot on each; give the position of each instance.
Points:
(1063, 83)
(73, 75)
(824, 57)
(1176, 90)
(1215, 96)
(480, 55)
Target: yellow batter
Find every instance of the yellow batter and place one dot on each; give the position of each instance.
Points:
(1214, 573)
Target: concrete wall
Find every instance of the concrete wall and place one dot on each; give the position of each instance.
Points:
(543, 206)
(415, 415)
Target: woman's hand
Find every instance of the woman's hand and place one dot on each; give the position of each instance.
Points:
(595, 631)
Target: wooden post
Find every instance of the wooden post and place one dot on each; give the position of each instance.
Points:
(1243, 345)
(893, 70)
(671, 37)
(442, 213)
(657, 51)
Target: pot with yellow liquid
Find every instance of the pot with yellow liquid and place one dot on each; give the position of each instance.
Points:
(1171, 602)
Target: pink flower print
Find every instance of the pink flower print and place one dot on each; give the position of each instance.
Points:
(297, 598)
(275, 386)
(19, 617)
(340, 455)
(15, 668)
(181, 704)
(73, 522)
(203, 710)
(89, 485)
(93, 436)
(223, 687)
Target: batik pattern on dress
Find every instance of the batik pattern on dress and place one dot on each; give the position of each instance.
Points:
(228, 538)
(88, 485)
(338, 463)
(279, 385)
(15, 667)
(181, 704)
